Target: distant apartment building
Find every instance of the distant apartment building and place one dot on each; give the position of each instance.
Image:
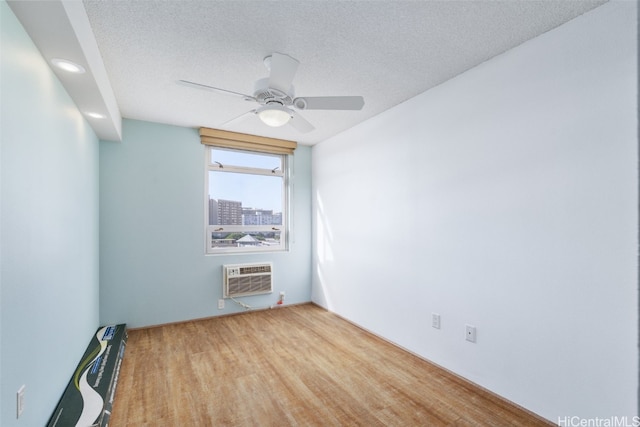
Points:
(225, 212)
(230, 212)
(213, 212)
(252, 216)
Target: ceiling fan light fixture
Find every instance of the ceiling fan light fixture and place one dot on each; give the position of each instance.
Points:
(274, 115)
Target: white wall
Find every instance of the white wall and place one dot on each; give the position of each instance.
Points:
(153, 267)
(505, 198)
(49, 222)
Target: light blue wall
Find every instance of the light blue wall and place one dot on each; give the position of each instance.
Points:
(153, 269)
(49, 222)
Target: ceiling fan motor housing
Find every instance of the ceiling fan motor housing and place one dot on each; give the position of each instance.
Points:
(265, 94)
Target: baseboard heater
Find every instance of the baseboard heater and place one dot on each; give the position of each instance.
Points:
(88, 398)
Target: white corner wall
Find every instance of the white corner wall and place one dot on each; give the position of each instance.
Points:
(506, 198)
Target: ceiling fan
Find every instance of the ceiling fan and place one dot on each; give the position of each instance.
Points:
(277, 100)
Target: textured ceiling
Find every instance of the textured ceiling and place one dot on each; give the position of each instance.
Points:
(386, 51)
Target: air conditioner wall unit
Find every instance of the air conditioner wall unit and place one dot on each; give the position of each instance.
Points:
(247, 279)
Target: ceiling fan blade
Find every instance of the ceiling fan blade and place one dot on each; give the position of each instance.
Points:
(214, 89)
(283, 69)
(329, 103)
(300, 123)
(241, 118)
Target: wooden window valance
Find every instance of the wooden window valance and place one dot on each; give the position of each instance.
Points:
(243, 141)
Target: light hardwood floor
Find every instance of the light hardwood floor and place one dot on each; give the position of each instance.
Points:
(292, 366)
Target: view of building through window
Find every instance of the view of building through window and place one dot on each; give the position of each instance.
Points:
(246, 202)
(231, 212)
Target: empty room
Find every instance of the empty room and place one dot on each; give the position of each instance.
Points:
(373, 213)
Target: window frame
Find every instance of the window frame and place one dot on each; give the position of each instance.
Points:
(283, 172)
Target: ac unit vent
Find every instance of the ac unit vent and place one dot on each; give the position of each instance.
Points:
(255, 269)
(246, 279)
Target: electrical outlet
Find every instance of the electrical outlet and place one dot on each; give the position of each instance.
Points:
(220, 304)
(435, 320)
(20, 401)
(471, 333)
(281, 295)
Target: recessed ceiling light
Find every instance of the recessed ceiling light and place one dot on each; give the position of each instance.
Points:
(67, 65)
(95, 115)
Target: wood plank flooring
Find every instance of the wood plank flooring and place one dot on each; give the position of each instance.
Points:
(292, 366)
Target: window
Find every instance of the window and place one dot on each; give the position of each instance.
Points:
(246, 201)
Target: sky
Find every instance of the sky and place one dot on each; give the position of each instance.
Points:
(254, 191)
